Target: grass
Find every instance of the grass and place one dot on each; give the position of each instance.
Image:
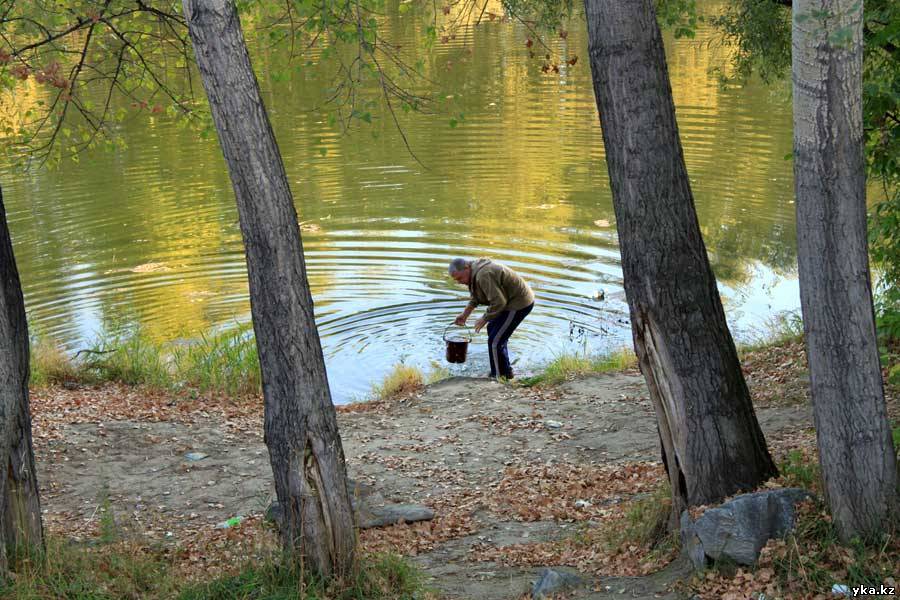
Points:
(130, 357)
(438, 372)
(378, 577)
(50, 364)
(568, 366)
(401, 381)
(798, 471)
(645, 524)
(112, 572)
(226, 362)
(780, 329)
(64, 571)
(813, 558)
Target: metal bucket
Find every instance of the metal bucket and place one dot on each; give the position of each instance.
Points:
(457, 345)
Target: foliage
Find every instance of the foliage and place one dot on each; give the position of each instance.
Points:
(678, 16)
(550, 16)
(75, 69)
(760, 30)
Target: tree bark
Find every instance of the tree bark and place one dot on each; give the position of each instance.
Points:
(856, 452)
(711, 441)
(20, 507)
(300, 421)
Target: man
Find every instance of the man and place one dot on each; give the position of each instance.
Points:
(509, 300)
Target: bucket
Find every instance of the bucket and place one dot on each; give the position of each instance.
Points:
(457, 345)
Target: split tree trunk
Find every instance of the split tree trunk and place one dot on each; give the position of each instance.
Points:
(20, 507)
(300, 421)
(855, 448)
(711, 441)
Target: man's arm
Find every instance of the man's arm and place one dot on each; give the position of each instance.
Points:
(464, 315)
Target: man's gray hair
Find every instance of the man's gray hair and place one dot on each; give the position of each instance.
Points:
(457, 265)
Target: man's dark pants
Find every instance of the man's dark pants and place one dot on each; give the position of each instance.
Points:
(499, 330)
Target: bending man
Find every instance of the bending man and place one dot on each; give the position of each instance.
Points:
(508, 298)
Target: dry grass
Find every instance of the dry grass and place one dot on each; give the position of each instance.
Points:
(402, 381)
(50, 364)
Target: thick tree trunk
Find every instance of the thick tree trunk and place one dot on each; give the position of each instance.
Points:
(855, 448)
(300, 421)
(711, 441)
(20, 507)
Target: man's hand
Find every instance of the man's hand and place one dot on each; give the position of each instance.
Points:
(479, 324)
(461, 319)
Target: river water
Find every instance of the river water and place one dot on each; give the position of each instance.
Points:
(149, 235)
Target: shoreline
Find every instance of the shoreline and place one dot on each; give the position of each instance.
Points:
(495, 462)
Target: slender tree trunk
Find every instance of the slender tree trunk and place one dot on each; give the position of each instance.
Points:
(300, 421)
(855, 448)
(711, 441)
(20, 507)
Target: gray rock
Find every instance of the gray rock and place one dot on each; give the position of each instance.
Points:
(554, 581)
(738, 529)
(690, 543)
(382, 516)
(368, 516)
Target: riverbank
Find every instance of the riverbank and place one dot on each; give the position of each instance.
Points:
(519, 478)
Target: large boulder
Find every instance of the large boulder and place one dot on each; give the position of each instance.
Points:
(738, 529)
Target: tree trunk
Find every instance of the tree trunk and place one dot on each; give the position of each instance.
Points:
(20, 507)
(855, 448)
(300, 421)
(711, 441)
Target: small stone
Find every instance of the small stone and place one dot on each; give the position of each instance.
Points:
(839, 589)
(582, 504)
(552, 424)
(553, 581)
(382, 516)
(195, 456)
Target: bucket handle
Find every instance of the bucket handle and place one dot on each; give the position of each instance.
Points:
(468, 335)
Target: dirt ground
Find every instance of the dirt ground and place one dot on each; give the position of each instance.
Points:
(500, 465)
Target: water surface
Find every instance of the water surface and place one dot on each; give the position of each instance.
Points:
(149, 235)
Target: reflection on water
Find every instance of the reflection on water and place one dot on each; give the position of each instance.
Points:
(150, 234)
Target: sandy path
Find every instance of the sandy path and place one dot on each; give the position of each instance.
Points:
(449, 447)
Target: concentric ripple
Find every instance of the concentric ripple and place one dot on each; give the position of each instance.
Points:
(150, 234)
